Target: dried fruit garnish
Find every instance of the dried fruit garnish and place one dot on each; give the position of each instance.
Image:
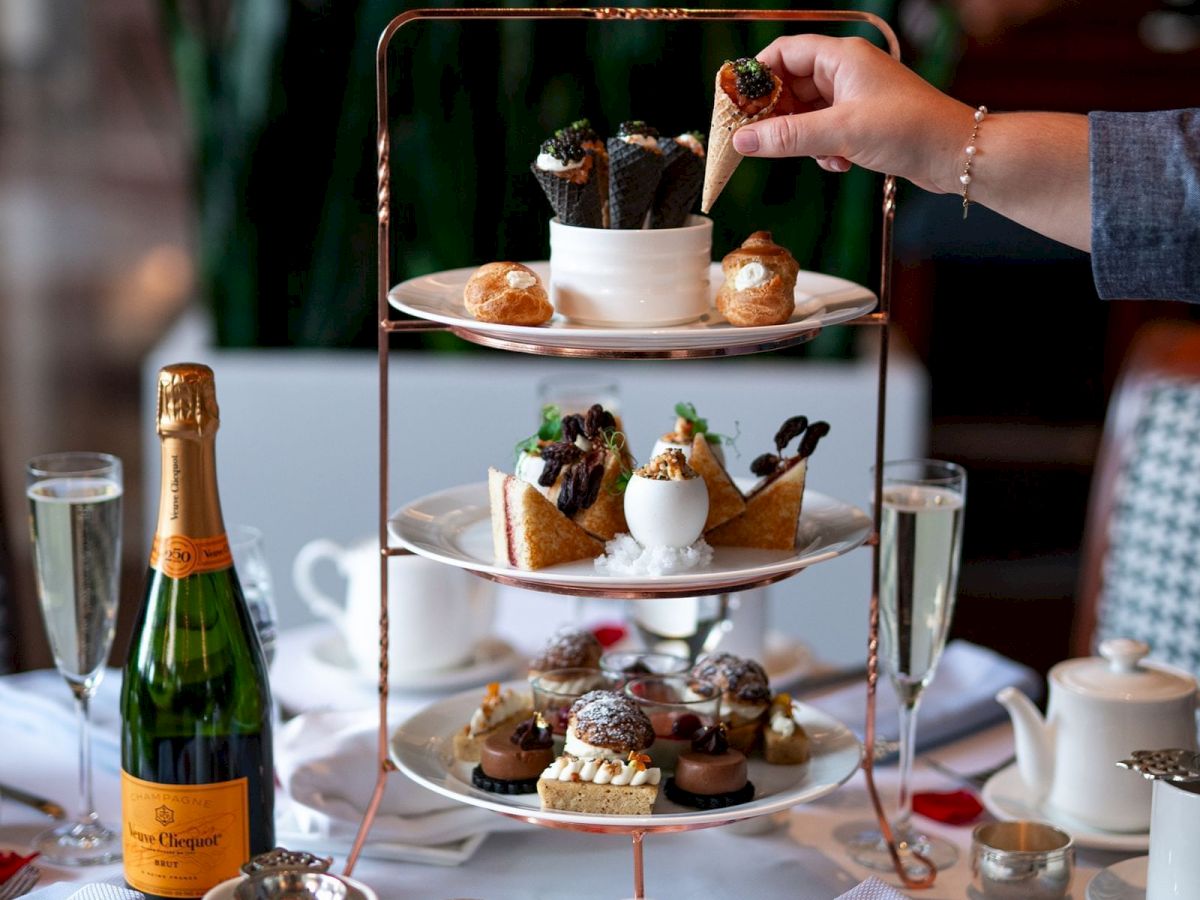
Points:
(808, 443)
(788, 430)
(556, 457)
(764, 465)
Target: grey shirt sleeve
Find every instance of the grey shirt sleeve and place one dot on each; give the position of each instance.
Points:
(1145, 177)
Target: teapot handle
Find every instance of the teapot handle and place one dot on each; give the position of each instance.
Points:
(321, 604)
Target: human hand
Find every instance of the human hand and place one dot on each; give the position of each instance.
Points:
(856, 104)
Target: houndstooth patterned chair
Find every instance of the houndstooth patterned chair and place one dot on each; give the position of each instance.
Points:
(1141, 561)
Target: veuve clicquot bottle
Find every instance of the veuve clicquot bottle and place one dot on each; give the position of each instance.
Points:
(197, 780)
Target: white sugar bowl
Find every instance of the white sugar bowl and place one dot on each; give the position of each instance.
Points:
(1101, 709)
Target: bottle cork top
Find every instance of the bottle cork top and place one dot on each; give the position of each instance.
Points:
(187, 400)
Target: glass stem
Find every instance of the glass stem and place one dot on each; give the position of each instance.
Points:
(87, 811)
(908, 736)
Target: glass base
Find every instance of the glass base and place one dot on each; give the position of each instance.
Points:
(78, 844)
(868, 848)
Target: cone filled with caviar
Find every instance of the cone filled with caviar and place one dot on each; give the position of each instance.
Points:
(747, 90)
(591, 141)
(635, 169)
(567, 174)
(682, 178)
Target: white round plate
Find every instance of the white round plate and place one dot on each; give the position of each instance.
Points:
(314, 670)
(821, 300)
(1006, 797)
(422, 747)
(454, 526)
(1125, 880)
(224, 890)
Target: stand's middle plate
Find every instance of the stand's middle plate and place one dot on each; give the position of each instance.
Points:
(454, 527)
(422, 747)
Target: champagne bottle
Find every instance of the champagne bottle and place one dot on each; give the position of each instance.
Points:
(197, 779)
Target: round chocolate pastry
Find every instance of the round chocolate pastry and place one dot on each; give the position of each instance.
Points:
(711, 775)
(569, 648)
(741, 681)
(610, 721)
(511, 764)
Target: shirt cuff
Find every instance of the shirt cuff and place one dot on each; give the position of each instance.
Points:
(1145, 191)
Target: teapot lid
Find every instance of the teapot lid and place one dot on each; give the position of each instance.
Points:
(1119, 674)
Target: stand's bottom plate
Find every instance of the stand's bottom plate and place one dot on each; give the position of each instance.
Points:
(421, 747)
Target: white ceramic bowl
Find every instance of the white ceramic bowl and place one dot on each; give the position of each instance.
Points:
(631, 277)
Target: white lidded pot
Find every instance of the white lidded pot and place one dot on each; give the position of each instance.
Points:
(1101, 709)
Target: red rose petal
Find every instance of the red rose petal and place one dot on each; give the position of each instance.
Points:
(951, 807)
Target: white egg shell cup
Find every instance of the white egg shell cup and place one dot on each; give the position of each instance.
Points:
(631, 277)
(666, 513)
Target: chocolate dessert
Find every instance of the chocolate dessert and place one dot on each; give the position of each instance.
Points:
(511, 763)
(711, 775)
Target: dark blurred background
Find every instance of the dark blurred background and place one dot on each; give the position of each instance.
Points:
(155, 156)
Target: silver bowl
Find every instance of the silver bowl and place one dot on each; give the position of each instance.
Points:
(292, 884)
(1021, 861)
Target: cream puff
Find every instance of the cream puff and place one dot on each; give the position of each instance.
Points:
(760, 283)
(745, 695)
(507, 293)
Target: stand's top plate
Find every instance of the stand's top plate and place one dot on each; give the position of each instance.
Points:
(821, 300)
(422, 748)
(454, 526)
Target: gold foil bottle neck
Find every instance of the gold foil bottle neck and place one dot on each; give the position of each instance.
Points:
(187, 400)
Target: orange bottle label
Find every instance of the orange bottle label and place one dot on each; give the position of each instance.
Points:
(178, 556)
(182, 839)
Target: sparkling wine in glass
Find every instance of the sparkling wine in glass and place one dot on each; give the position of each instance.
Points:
(920, 548)
(75, 527)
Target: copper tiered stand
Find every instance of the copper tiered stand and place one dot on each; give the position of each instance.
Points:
(389, 325)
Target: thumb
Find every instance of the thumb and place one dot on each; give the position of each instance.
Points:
(801, 134)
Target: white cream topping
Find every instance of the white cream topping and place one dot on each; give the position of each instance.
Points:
(548, 163)
(641, 140)
(743, 711)
(575, 746)
(692, 143)
(782, 722)
(520, 279)
(496, 709)
(601, 771)
(530, 468)
(580, 685)
(752, 274)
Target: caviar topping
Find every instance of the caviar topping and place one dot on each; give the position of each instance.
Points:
(636, 126)
(564, 147)
(581, 130)
(754, 78)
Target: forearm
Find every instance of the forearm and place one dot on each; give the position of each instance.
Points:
(1031, 168)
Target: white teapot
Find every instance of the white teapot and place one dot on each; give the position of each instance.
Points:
(1101, 709)
(436, 612)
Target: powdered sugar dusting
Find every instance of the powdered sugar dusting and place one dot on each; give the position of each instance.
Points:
(625, 556)
(611, 720)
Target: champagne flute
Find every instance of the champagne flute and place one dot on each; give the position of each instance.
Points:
(75, 527)
(920, 548)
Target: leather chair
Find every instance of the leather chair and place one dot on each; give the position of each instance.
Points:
(1140, 573)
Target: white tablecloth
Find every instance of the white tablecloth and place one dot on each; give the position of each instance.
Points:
(795, 857)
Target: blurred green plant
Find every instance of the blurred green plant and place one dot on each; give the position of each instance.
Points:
(281, 101)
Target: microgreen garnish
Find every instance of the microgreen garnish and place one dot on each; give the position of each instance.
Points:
(687, 412)
(549, 429)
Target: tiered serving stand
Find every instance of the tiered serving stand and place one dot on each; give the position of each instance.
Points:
(726, 342)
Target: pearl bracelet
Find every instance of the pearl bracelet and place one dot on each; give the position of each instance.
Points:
(971, 150)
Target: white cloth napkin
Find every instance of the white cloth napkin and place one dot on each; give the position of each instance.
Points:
(960, 699)
(872, 889)
(112, 889)
(327, 764)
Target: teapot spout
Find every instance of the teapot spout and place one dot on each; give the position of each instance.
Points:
(1034, 743)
